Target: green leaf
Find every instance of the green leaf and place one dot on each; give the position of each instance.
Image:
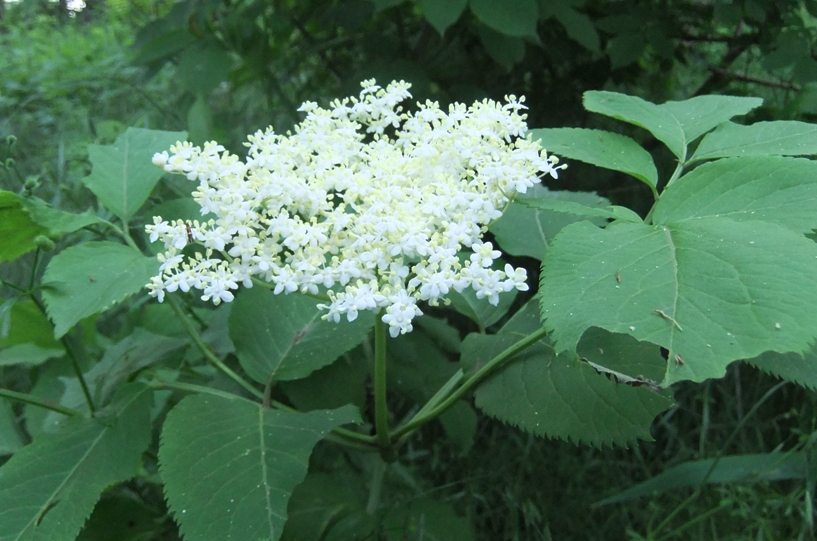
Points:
(613, 212)
(56, 221)
(340, 383)
(202, 67)
(49, 488)
(772, 189)
(601, 148)
(17, 229)
(480, 311)
(123, 518)
(230, 465)
(27, 324)
(578, 26)
(442, 13)
(460, 425)
(11, 438)
(124, 174)
(800, 369)
(525, 229)
(675, 123)
(625, 49)
(90, 278)
(316, 505)
(622, 355)
(283, 337)
(505, 50)
(558, 396)
(711, 291)
(729, 469)
(28, 354)
(781, 138)
(426, 519)
(511, 17)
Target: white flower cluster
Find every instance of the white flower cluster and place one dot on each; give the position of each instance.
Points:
(363, 199)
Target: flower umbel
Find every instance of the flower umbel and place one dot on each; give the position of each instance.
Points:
(363, 199)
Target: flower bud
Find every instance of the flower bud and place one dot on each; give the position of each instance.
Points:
(43, 243)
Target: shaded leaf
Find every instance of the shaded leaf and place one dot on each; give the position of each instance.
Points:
(333, 386)
(442, 13)
(781, 138)
(511, 17)
(675, 123)
(49, 488)
(480, 311)
(800, 369)
(283, 337)
(601, 148)
(426, 519)
(316, 505)
(230, 465)
(11, 438)
(622, 354)
(526, 228)
(578, 26)
(28, 354)
(90, 278)
(558, 396)
(711, 291)
(124, 175)
(772, 189)
(729, 469)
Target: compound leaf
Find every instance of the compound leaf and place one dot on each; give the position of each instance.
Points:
(91, 277)
(675, 123)
(49, 488)
(230, 465)
(711, 291)
(282, 337)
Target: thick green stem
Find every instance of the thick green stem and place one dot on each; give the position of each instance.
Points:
(381, 410)
(470, 384)
(376, 487)
(39, 402)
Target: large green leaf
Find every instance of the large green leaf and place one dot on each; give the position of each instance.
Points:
(442, 13)
(781, 137)
(317, 504)
(28, 324)
(773, 189)
(124, 174)
(711, 291)
(49, 488)
(525, 230)
(601, 148)
(622, 356)
(511, 17)
(17, 229)
(283, 337)
(28, 354)
(480, 311)
(230, 465)
(558, 396)
(90, 278)
(729, 469)
(675, 123)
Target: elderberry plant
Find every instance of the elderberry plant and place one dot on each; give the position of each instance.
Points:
(342, 233)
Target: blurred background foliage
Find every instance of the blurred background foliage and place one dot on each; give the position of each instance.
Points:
(224, 68)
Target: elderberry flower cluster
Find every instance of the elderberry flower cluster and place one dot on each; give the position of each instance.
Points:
(371, 203)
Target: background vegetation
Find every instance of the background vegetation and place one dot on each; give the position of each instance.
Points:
(221, 69)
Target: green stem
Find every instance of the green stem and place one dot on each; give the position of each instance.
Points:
(205, 350)
(377, 485)
(438, 397)
(69, 350)
(39, 402)
(339, 435)
(381, 410)
(470, 384)
(122, 233)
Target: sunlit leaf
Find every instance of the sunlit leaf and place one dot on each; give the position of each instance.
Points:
(781, 138)
(17, 229)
